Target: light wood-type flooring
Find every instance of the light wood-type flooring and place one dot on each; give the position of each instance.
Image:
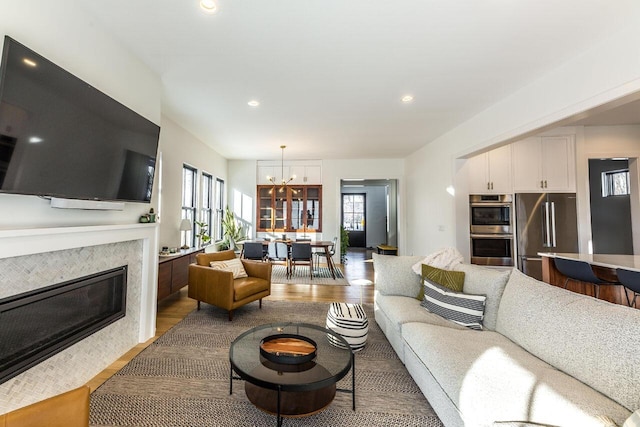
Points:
(174, 308)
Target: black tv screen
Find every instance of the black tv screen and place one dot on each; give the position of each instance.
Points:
(61, 137)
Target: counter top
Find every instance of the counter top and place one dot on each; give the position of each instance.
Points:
(629, 262)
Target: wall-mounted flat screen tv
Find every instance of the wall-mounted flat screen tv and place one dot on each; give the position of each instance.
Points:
(61, 137)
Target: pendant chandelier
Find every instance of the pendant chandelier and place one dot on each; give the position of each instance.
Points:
(283, 184)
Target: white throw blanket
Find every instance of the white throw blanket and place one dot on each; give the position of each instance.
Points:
(445, 258)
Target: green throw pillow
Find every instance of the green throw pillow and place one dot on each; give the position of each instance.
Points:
(447, 278)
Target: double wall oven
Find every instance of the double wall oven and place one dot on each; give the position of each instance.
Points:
(491, 221)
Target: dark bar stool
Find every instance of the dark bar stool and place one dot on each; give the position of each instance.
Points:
(580, 271)
(630, 280)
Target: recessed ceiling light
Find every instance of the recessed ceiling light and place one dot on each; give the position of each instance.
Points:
(253, 103)
(35, 140)
(407, 98)
(29, 62)
(209, 6)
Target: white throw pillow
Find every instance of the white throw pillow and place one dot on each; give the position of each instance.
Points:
(233, 265)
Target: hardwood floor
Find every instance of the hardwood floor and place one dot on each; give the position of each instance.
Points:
(174, 308)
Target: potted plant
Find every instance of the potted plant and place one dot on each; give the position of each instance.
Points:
(344, 244)
(232, 230)
(203, 237)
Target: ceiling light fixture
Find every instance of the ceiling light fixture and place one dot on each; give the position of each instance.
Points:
(29, 62)
(284, 182)
(209, 6)
(253, 103)
(407, 98)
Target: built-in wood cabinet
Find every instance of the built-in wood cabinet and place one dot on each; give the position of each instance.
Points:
(173, 271)
(544, 164)
(490, 172)
(294, 208)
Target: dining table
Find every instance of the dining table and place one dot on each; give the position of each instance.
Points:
(325, 245)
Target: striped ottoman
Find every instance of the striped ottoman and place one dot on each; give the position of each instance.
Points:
(350, 321)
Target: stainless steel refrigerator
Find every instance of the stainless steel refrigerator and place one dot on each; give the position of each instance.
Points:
(545, 222)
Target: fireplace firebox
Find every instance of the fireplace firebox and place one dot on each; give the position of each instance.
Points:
(36, 325)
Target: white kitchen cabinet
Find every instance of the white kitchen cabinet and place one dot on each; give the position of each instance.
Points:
(545, 163)
(307, 174)
(274, 171)
(490, 172)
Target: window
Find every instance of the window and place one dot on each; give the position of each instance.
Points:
(353, 211)
(243, 210)
(206, 209)
(219, 210)
(189, 201)
(615, 183)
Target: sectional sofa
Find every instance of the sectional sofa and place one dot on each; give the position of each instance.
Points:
(546, 356)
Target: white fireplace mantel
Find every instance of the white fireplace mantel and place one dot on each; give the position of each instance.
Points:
(29, 241)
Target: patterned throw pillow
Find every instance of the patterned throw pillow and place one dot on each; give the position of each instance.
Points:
(453, 280)
(463, 309)
(233, 265)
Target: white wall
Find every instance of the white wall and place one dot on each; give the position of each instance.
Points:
(177, 147)
(63, 34)
(606, 72)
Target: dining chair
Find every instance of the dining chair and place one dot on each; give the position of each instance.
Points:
(630, 280)
(328, 257)
(301, 254)
(253, 250)
(580, 271)
(278, 253)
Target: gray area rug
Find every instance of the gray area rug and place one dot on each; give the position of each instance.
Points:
(183, 378)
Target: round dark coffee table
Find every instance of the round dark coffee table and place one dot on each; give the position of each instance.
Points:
(291, 389)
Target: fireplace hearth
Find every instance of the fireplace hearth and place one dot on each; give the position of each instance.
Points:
(36, 325)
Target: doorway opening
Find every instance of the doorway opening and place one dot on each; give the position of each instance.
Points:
(369, 211)
(610, 204)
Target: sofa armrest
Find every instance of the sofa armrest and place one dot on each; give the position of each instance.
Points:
(258, 269)
(70, 409)
(211, 286)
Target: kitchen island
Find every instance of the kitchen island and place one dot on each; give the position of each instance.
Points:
(604, 266)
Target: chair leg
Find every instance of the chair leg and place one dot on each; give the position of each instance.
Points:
(626, 293)
(260, 303)
(596, 290)
(230, 315)
(566, 282)
(198, 305)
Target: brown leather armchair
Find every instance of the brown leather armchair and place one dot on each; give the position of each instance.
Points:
(217, 287)
(70, 409)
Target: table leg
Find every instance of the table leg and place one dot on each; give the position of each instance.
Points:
(330, 262)
(279, 414)
(231, 381)
(353, 381)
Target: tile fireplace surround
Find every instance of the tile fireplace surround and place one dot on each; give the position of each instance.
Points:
(35, 258)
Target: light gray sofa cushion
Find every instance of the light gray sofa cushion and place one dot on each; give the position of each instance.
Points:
(401, 310)
(485, 281)
(489, 378)
(394, 276)
(592, 340)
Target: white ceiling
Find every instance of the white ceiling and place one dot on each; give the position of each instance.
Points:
(329, 74)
